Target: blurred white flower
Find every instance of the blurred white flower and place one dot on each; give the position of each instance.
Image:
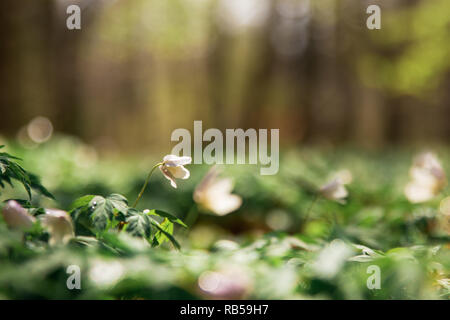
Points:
(16, 216)
(331, 259)
(231, 282)
(172, 168)
(106, 273)
(225, 245)
(427, 178)
(334, 190)
(344, 175)
(214, 194)
(59, 224)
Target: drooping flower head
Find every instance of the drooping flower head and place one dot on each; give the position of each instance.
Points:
(59, 225)
(173, 168)
(334, 190)
(16, 216)
(214, 194)
(427, 178)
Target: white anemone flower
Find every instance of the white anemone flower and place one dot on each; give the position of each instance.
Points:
(59, 224)
(334, 190)
(214, 194)
(427, 178)
(173, 168)
(16, 216)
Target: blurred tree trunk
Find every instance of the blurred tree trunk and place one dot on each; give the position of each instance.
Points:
(25, 82)
(369, 118)
(66, 67)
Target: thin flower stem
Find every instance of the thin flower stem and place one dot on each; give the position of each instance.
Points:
(146, 183)
(191, 217)
(316, 197)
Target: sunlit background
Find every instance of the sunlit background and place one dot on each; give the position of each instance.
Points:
(139, 69)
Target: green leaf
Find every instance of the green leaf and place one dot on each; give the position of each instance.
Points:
(16, 172)
(139, 224)
(24, 203)
(9, 169)
(167, 234)
(97, 213)
(81, 202)
(87, 241)
(102, 213)
(119, 202)
(103, 210)
(160, 237)
(168, 216)
(36, 185)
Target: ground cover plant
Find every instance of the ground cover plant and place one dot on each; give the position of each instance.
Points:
(314, 231)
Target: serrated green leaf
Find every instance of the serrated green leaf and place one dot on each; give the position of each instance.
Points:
(168, 216)
(101, 213)
(81, 202)
(139, 224)
(119, 202)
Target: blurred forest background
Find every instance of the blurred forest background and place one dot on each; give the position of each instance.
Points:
(139, 69)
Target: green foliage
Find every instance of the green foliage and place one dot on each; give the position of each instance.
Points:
(98, 214)
(11, 170)
(103, 211)
(376, 226)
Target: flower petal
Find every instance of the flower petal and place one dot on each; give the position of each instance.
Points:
(423, 177)
(215, 196)
(207, 180)
(334, 190)
(168, 176)
(179, 172)
(221, 186)
(16, 216)
(224, 204)
(417, 193)
(59, 224)
(173, 161)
